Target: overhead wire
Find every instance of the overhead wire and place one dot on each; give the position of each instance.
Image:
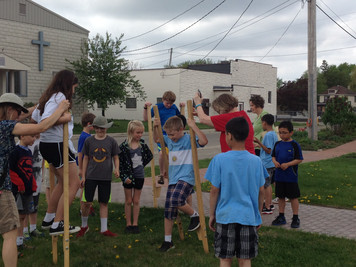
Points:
(174, 35)
(156, 28)
(285, 31)
(335, 21)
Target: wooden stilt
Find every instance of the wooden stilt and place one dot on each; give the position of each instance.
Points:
(66, 194)
(202, 235)
(55, 237)
(166, 164)
(156, 189)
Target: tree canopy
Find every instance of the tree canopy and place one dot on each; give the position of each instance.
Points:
(293, 95)
(104, 76)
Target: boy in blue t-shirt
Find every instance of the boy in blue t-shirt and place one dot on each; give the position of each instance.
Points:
(266, 146)
(166, 109)
(87, 123)
(181, 174)
(236, 197)
(286, 156)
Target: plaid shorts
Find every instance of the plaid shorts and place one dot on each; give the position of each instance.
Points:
(176, 197)
(236, 239)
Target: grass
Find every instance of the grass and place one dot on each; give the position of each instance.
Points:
(277, 247)
(120, 126)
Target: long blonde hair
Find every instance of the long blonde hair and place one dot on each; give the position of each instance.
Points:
(131, 127)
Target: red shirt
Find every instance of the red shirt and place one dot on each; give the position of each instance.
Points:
(220, 121)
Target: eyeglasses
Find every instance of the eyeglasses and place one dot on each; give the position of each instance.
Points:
(283, 133)
(19, 111)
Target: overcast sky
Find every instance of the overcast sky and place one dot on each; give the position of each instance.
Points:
(268, 31)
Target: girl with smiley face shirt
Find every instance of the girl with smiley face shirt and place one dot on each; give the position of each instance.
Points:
(100, 156)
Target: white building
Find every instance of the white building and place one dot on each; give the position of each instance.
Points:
(241, 78)
(34, 44)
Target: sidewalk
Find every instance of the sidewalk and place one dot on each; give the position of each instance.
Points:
(315, 219)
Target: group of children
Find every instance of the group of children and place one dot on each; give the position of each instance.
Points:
(239, 193)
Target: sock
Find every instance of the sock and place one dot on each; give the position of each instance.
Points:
(54, 225)
(168, 238)
(32, 227)
(49, 217)
(25, 230)
(295, 217)
(281, 214)
(84, 221)
(195, 214)
(104, 224)
(19, 240)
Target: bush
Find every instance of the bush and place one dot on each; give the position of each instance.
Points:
(339, 116)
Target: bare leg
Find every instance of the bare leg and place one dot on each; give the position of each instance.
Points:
(103, 210)
(187, 209)
(86, 209)
(244, 262)
(20, 229)
(128, 205)
(136, 206)
(9, 248)
(33, 219)
(225, 262)
(268, 197)
(281, 204)
(168, 226)
(73, 188)
(295, 205)
(190, 200)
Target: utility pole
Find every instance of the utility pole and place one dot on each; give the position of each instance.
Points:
(170, 57)
(312, 74)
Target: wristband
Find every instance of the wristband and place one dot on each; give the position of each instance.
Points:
(199, 105)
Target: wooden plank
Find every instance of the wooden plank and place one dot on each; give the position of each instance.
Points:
(66, 195)
(202, 232)
(55, 237)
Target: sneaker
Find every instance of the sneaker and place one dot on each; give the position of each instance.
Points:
(47, 225)
(166, 246)
(275, 200)
(295, 223)
(108, 233)
(26, 236)
(37, 233)
(161, 179)
(83, 231)
(271, 207)
(280, 220)
(194, 223)
(128, 229)
(135, 229)
(60, 229)
(267, 211)
(92, 211)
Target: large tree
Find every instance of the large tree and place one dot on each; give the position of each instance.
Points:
(104, 76)
(293, 95)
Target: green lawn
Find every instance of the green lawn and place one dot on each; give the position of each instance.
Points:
(278, 247)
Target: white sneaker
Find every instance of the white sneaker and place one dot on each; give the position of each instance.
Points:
(275, 200)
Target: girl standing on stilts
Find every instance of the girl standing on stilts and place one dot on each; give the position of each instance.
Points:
(134, 156)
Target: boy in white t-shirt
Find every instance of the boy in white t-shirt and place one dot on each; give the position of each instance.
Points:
(236, 197)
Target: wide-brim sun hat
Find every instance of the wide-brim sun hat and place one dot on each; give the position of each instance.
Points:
(102, 122)
(11, 98)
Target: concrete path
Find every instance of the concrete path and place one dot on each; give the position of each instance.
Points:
(316, 219)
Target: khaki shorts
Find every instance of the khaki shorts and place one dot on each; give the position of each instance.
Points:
(9, 216)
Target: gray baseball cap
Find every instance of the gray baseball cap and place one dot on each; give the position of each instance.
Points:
(102, 122)
(13, 99)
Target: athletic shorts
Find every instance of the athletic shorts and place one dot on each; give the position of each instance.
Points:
(236, 240)
(104, 189)
(53, 153)
(289, 190)
(9, 215)
(25, 204)
(177, 195)
(268, 180)
(136, 184)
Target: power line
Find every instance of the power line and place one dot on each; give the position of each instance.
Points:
(290, 24)
(337, 16)
(335, 22)
(174, 35)
(142, 34)
(248, 6)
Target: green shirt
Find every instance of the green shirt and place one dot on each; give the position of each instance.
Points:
(257, 125)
